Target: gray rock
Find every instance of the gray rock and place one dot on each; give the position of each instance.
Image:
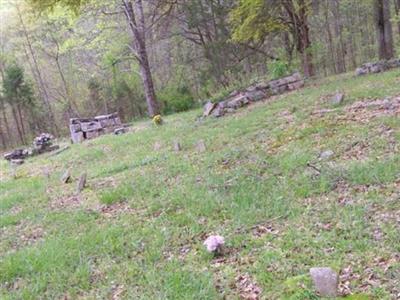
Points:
(219, 110)
(255, 95)
(81, 183)
(337, 99)
(237, 102)
(17, 162)
(361, 71)
(325, 281)
(208, 108)
(119, 131)
(326, 154)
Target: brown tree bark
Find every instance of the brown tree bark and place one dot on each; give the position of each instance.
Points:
(397, 10)
(133, 10)
(329, 36)
(20, 135)
(383, 29)
(340, 47)
(301, 32)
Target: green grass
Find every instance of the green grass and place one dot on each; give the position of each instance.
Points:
(162, 204)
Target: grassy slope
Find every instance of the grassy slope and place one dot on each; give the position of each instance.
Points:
(148, 243)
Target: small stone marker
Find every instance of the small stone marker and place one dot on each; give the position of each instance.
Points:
(81, 183)
(177, 146)
(325, 281)
(66, 177)
(157, 146)
(201, 146)
(119, 131)
(337, 99)
(326, 154)
(17, 162)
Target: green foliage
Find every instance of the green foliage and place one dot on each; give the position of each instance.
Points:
(252, 20)
(278, 68)
(16, 90)
(176, 99)
(118, 194)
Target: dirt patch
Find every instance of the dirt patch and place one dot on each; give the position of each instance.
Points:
(247, 287)
(65, 203)
(374, 275)
(115, 209)
(358, 150)
(364, 111)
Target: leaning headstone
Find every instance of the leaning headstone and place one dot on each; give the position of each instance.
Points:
(81, 183)
(201, 146)
(325, 281)
(177, 146)
(66, 177)
(208, 107)
(337, 99)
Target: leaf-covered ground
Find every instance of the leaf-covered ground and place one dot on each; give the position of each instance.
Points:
(136, 231)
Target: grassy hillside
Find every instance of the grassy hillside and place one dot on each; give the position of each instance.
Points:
(136, 231)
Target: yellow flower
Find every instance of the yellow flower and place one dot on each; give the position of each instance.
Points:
(157, 120)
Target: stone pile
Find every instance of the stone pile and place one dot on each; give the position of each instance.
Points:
(44, 143)
(17, 154)
(41, 144)
(89, 128)
(253, 93)
(378, 67)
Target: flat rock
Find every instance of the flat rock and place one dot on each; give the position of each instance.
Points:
(17, 161)
(208, 108)
(119, 131)
(326, 154)
(325, 281)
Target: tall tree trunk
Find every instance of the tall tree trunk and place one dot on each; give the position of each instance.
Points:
(42, 86)
(3, 110)
(135, 17)
(383, 29)
(301, 33)
(340, 49)
(21, 120)
(329, 36)
(20, 135)
(397, 9)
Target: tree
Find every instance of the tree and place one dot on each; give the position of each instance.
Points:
(258, 19)
(383, 29)
(134, 13)
(19, 95)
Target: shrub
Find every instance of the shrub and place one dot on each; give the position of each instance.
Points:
(176, 99)
(278, 68)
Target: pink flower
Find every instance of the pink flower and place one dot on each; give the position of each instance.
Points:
(214, 243)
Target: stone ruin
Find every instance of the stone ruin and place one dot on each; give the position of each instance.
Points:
(41, 144)
(89, 128)
(378, 67)
(253, 93)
